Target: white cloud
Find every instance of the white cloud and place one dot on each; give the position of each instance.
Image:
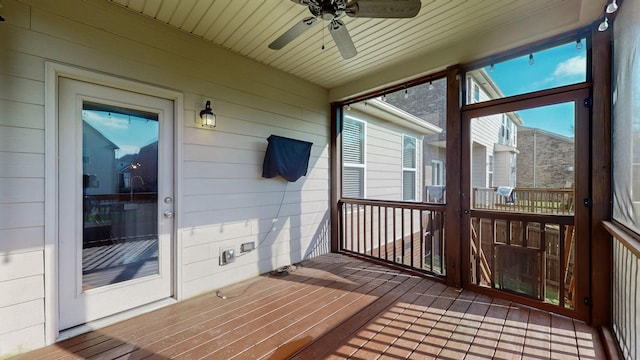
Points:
(576, 66)
(566, 72)
(128, 149)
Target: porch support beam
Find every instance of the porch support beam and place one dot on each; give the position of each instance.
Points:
(453, 235)
(335, 175)
(601, 244)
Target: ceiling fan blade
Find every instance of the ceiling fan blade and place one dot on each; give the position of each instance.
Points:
(343, 41)
(295, 31)
(307, 2)
(393, 9)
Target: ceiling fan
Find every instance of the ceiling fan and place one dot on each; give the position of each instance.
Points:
(331, 10)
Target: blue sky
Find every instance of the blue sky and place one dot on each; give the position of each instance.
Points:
(562, 65)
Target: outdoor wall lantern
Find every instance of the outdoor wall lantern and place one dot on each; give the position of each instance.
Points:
(207, 116)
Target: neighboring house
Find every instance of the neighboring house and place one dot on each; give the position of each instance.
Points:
(99, 162)
(545, 160)
(382, 152)
(495, 138)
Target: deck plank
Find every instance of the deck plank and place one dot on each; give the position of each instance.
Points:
(537, 338)
(563, 338)
(511, 342)
(337, 307)
(588, 345)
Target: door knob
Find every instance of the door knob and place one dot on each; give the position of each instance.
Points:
(168, 214)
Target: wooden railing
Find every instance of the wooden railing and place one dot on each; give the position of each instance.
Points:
(405, 234)
(626, 291)
(527, 200)
(111, 218)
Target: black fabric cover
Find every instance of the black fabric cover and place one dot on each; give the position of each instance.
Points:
(286, 157)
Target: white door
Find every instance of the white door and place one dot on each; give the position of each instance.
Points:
(115, 196)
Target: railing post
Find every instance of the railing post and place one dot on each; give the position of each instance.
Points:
(456, 254)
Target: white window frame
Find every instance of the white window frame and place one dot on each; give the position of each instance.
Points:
(437, 172)
(490, 165)
(414, 169)
(476, 95)
(363, 165)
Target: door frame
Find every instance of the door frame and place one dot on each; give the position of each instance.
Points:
(582, 190)
(53, 71)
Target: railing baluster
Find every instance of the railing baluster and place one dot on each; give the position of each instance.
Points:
(394, 234)
(402, 210)
(412, 235)
(431, 243)
(543, 262)
(353, 234)
(371, 231)
(561, 258)
(379, 228)
(386, 233)
(422, 245)
(442, 220)
(494, 260)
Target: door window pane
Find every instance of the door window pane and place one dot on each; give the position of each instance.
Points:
(534, 176)
(120, 186)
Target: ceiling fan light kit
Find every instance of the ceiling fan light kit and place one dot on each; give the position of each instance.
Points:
(332, 10)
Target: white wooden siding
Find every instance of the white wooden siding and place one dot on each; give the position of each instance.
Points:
(225, 200)
(502, 169)
(29, 338)
(479, 166)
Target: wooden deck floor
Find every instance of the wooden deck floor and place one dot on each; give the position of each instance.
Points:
(337, 307)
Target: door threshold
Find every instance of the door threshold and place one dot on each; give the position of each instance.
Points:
(109, 320)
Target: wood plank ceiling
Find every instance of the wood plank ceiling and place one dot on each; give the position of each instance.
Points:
(247, 27)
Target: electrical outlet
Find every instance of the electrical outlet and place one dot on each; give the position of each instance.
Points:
(227, 256)
(246, 247)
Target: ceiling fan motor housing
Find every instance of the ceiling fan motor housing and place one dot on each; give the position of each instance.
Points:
(327, 9)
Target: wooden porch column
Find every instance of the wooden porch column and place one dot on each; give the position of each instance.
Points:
(335, 176)
(453, 236)
(601, 244)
